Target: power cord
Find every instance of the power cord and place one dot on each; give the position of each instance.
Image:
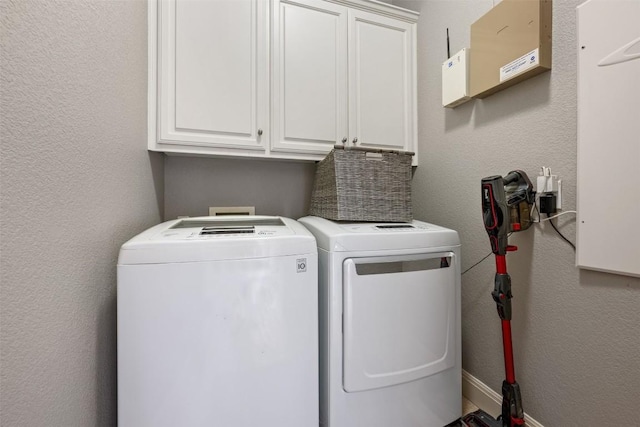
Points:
(540, 220)
(535, 208)
(487, 256)
(549, 218)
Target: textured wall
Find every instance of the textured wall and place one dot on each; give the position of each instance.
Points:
(192, 184)
(575, 332)
(77, 181)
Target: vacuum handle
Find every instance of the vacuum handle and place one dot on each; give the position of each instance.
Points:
(495, 213)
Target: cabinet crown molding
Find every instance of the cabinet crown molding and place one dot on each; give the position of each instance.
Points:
(381, 8)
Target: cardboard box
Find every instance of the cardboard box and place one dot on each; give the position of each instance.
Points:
(509, 44)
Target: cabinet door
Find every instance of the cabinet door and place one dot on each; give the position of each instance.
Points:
(309, 112)
(381, 81)
(213, 73)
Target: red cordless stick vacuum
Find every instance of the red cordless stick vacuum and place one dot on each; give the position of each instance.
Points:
(506, 208)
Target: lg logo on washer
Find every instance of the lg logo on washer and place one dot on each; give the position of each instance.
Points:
(301, 265)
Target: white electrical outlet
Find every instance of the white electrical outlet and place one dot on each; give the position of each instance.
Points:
(548, 183)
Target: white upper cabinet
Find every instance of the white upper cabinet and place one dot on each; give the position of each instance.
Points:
(381, 82)
(309, 77)
(212, 77)
(280, 78)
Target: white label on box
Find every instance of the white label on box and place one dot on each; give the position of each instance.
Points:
(520, 65)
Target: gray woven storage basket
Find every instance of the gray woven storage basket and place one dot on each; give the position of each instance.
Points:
(357, 184)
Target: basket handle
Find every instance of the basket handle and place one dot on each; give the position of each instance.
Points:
(373, 150)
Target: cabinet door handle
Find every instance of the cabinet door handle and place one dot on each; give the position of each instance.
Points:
(259, 132)
(344, 140)
(355, 141)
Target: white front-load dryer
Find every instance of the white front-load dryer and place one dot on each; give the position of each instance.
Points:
(218, 325)
(389, 324)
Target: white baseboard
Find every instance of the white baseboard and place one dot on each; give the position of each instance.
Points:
(486, 399)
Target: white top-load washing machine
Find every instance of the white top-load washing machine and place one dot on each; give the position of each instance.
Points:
(389, 324)
(218, 324)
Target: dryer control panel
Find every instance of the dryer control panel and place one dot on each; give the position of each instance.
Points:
(385, 227)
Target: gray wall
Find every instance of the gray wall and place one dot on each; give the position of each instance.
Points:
(273, 187)
(576, 336)
(77, 182)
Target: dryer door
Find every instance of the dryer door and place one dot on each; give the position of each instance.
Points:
(399, 319)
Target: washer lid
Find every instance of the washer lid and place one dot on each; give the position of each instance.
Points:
(368, 236)
(218, 238)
